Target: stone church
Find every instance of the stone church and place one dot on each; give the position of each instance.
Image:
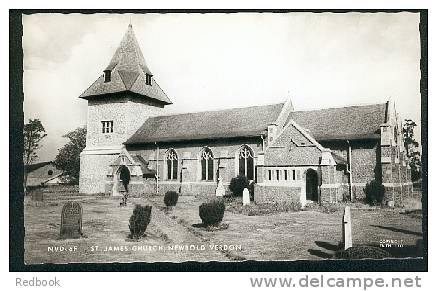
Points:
(325, 155)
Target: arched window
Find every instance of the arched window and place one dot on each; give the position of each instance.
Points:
(172, 164)
(245, 162)
(207, 164)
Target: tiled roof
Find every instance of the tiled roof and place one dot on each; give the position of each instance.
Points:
(147, 173)
(128, 73)
(352, 122)
(229, 123)
(283, 156)
(33, 167)
(292, 147)
(339, 159)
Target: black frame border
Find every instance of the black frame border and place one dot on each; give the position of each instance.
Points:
(16, 168)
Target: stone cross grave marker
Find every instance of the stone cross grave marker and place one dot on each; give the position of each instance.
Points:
(246, 197)
(220, 190)
(347, 228)
(71, 220)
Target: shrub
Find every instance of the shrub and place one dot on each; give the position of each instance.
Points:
(212, 212)
(171, 198)
(362, 252)
(139, 220)
(374, 191)
(238, 184)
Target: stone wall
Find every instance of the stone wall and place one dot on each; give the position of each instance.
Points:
(396, 176)
(365, 164)
(330, 194)
(93, 171)
(269, 194)
(203, 189)
(364, 161)
(225, 164)
(331, 180)
(127, 113)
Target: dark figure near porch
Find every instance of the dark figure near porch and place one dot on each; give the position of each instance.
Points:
(125, 179)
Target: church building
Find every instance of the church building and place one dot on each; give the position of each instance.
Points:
(325, 155)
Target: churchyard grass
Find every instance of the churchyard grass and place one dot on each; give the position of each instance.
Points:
(287, 235)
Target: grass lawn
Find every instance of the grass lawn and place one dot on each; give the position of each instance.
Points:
(173, 235)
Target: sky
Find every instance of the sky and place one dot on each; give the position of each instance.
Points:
(217, 61)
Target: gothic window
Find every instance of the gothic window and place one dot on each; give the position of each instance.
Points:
(245, 162)
(107, 126)
(207, 164)
(172, 164)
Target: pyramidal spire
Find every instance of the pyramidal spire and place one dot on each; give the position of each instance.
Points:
(127, 72)
(128, 54)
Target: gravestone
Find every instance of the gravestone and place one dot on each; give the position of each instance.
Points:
(37, 196)
(347, 228)
(220, 190)
(246, 197)
(71, 220)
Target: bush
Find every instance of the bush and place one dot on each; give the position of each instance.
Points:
(139, 221)
(238, 184)
(362, 252)
(212, 212)
(171, 198)
(374, 191)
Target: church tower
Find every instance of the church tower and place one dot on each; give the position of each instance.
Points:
(119, 102)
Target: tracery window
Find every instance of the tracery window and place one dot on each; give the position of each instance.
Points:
(245, 162)
(172, 164)
(207, 164)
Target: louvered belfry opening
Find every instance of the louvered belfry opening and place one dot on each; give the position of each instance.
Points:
(107, 75)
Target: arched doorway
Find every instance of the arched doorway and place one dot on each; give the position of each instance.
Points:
(312, 192)
(117, 186)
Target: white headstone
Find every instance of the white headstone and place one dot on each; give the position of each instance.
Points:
(347, 228)
(220, 190)
(246, 197)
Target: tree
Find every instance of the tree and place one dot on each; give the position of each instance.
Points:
(408, 133)
(411, 148)
(34, 133)
(68, 157)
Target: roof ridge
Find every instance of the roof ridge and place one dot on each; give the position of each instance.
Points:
(339, 107)
(217, 110)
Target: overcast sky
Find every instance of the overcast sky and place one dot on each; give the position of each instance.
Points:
(215, 61)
